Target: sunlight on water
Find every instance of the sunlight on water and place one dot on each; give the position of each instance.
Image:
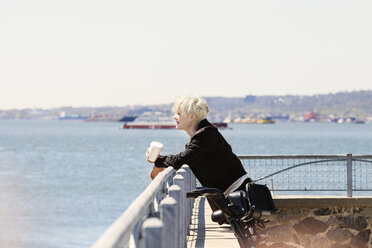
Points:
(15, 216)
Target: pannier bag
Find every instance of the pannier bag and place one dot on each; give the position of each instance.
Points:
(260, 199)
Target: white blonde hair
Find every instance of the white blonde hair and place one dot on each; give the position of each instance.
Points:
(191, 105)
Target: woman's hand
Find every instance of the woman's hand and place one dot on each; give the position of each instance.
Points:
(148, 155)
(155, 171)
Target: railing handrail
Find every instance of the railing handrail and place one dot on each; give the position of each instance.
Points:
(299, 156)
(122, 228)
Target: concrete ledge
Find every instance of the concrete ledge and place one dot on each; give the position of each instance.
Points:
(322, 201)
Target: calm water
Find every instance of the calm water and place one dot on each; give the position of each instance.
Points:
(63, 183)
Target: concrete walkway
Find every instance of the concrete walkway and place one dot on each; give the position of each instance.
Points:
(205, 233)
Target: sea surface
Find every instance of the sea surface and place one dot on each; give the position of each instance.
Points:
(62, 183)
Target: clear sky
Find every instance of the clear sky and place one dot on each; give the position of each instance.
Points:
(116, 52)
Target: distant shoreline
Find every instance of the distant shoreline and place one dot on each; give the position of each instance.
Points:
(343, 105)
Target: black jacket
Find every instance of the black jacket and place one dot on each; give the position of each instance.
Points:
(209, 156)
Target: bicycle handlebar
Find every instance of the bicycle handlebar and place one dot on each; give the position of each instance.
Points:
(193, 194)
(214, 195)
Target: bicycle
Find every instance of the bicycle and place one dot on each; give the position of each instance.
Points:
(243, 210)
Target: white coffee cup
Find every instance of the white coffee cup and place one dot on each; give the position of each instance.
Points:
(154, 150)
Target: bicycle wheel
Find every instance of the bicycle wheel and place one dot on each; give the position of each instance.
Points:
(246, 243)
(243, 234)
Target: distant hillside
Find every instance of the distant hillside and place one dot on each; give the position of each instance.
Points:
(343, 104)
(356, 104)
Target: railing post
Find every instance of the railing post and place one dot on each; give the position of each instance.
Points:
(168, 214)
(179, 180)
(152, 231)
(183, 171)
(349, 164)
(174, 191)
(188, 200)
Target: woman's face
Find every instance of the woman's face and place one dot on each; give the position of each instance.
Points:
(183, 121)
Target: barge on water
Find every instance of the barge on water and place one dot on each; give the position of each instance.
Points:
(162, 125)
(158, 120)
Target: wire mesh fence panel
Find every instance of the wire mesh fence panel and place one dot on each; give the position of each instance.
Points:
(362, 173)
(309, 172)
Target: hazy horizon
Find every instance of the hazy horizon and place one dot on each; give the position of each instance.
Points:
(119, 53)
(171, 102)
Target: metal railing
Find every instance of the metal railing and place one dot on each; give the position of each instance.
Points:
(311, 172)
(159, 217)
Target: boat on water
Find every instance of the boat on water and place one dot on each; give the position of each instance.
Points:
(158, 120)
(151, 120)
(72, 117)
(148, 125)
(266, 120)
(128, 118)
(250, 120)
